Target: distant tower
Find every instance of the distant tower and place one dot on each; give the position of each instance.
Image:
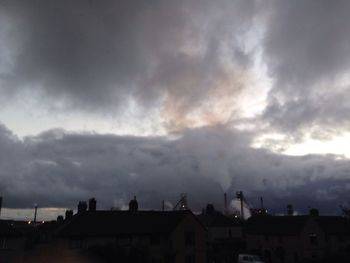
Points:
(240, 197)
(92, 204)
(225, 204)
(314, 212)
(133, 205)
(82, 207)
(182, 204)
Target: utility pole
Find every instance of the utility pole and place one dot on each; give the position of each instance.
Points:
(35, 212)
(0, 204)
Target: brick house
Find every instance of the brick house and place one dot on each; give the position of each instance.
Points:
(294, 239)
(153, 236)
(225, 235)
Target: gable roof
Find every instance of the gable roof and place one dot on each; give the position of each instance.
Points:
(7, 230)
(275, 225)
(217, 219)
(112, 223)
(334, 224)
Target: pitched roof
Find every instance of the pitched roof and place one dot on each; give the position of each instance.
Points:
(334, 224)
(7, 230)
(217, 219)
(275, 225)
(112, 223)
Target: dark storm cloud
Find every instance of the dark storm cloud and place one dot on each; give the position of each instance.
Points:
(306, 48)
(176, 55)
(58, 168)
(93, 55)
(97, 55)
(322, 115)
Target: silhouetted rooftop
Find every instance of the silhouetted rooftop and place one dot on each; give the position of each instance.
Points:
(275, 225)
(111, 223)
(7, 230)
(217, 219)
(334, 224)
(288, 225)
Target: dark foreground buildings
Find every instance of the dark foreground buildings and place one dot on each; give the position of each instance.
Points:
(95, 236)
(137, 236)
(293, 239)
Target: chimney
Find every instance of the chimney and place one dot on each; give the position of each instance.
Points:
(82, 207)
(59, 219)
(69, 214)
(314, 212)
(290, 210)
(133, 205)
(92, 204)
(210, 209)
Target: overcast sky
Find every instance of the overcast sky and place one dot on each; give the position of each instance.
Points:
(116, 98)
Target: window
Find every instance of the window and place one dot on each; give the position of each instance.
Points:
(313, 239)
(190, 239)
(3, 243)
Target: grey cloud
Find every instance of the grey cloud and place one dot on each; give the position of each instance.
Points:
(94, 55)
(306, 42)
(306, 47)
(321, 115)
(58, 168)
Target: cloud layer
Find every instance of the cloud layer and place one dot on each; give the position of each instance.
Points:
(305, 47)
(57, 169)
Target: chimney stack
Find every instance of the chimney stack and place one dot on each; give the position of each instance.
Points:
(92, 204)
(290, 210)
(69, 214)
(133, 205)
(82, 207)
(314, 212)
